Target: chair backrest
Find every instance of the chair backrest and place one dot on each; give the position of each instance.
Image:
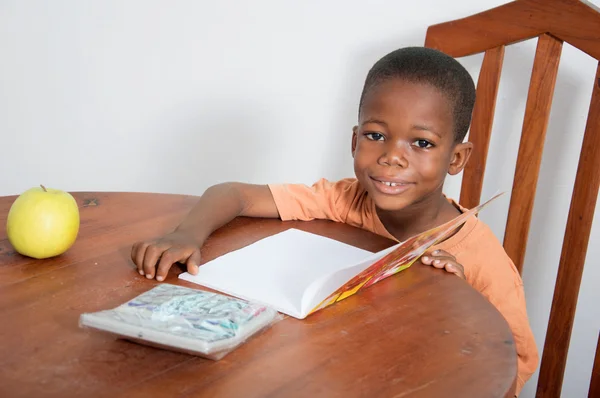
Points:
(552, 22)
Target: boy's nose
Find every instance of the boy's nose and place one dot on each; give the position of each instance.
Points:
(394, 155)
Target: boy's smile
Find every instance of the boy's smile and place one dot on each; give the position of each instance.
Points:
(390, 185)
(405, 145)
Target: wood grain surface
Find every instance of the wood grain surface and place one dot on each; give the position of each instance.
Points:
(481, 126)
(573, 21)
(573, 254)
(531, 147)
(421, 333)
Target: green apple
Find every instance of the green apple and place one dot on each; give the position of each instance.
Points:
(42, 222)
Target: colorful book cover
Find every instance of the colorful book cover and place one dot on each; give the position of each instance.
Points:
(399, 259)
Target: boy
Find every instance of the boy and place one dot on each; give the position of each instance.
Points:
(414, 112)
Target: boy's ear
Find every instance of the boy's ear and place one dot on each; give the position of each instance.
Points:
(460, 157)
(354, 138)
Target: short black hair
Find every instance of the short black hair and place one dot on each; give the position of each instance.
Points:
(433, 67)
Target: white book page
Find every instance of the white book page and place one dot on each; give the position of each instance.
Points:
(320, 289)
(277, 270)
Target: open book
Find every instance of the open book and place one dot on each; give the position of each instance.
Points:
(298, 273)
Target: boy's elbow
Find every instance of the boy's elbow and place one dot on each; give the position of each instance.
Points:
(256, 200)
(225, 194)
(250, 200)
(243, 199)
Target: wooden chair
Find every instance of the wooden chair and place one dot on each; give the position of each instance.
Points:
(552, 22)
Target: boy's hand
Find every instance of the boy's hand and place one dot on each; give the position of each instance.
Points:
(159, 255)
(442, 259)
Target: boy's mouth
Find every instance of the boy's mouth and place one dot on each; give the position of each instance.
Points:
(390, 185)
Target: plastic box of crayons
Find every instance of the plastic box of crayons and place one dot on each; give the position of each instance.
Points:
(182, 319)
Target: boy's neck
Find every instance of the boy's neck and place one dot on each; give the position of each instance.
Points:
(430, 212)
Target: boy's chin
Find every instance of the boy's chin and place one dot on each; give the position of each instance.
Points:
(390, 203)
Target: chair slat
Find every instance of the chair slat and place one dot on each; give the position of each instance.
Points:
(594, 391)
(572, 259)
(516, 21)
(535, 123)
(481, 126)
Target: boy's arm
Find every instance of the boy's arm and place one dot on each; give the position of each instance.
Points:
(222, 203)
(216, 207)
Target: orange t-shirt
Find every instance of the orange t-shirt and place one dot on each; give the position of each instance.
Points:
(487, 266)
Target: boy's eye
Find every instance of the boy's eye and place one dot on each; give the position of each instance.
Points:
(374, 136)
(423, 144)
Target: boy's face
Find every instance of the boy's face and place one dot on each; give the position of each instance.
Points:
(404, 144)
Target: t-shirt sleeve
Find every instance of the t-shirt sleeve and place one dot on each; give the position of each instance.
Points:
(322, 200)
(490, 271)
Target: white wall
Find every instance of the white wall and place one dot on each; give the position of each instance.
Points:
(175, 96)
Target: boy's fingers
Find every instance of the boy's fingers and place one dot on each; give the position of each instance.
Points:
(167, 259)
(138, 256)
(434, 261)
(151, 258)
(437, 255)
(455, 269)
(174, 255)
(134, 249)
(442, 253)
(193, 262)
(440, 264)
(442, 260)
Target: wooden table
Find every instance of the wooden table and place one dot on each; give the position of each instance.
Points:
(421, 333)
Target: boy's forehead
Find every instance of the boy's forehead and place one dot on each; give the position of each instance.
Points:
(400, 97)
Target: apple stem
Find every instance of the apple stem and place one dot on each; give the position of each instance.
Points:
(43, 187)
